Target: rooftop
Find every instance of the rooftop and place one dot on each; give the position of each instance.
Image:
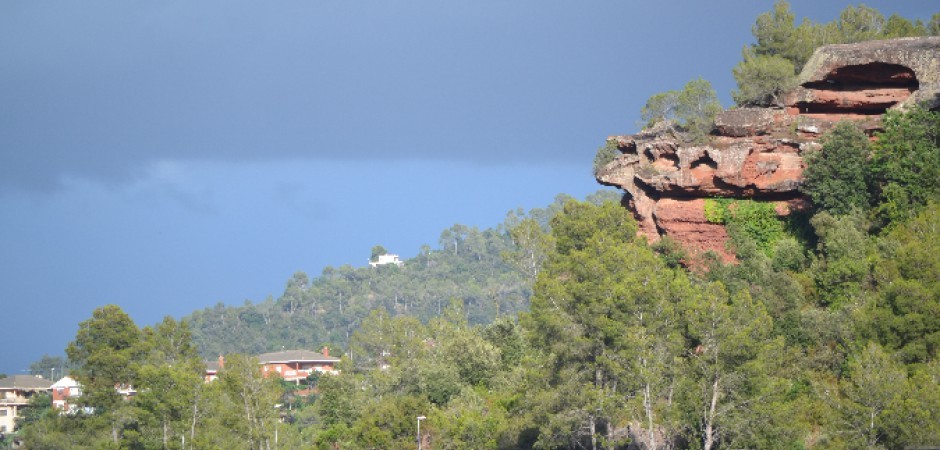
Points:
(65, 382)
(25, 383)
(286, 356)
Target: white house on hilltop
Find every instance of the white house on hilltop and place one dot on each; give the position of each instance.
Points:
(387, 258)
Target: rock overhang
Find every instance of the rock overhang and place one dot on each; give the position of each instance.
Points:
(757, 153)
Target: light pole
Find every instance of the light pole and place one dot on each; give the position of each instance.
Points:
(420, 418)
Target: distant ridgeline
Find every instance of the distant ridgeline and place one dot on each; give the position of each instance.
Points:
(482, 269)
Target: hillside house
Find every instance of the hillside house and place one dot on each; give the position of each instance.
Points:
(15, 393)
(386, 259)
(295, 365)
(212, 369)
(64, 390)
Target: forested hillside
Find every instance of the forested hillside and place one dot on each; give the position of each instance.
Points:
(490, 272)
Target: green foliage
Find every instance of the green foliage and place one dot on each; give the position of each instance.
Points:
(874, 387)
(470, 422)
(66, 432)
(532, 244)
(914, 417)
(897, 26)
(732, 362)
(859, 23)
(404, 369)
(659, 108)
(905, 164)
(40, 404)
(490, 271)
(172, 403)
(906, 316)
(789, 254)
(170, 379)
(836, 178)
(389, 422)
(717, 210)
(106, 351)
(584, 312)
(475, 358)
(580, 220)
(777, 35)
(837, 349)
(762, 79)
(251, 418)
(336, 405)
(605, 155)
(506, 335)
(620, 324)
(843, 273)
(755, 220)
(377, 251)
(759, 221)
(326, 309)
(692, 109)
(672, 252)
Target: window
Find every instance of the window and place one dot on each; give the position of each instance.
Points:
(3, 412)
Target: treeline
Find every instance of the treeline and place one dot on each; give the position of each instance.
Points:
(830, 345)
(490, 272)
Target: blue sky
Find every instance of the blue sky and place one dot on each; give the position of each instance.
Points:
(167, 156)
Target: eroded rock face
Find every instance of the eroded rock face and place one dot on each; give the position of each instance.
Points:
(758, 152)
(684, 220)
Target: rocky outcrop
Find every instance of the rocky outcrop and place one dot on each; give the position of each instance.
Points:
(868, 78)
(758, 152)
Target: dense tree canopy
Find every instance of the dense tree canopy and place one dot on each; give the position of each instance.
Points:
(837, 176)
(905, 163)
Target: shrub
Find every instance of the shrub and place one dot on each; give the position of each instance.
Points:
(605, 155)
(756, 220)
(693, 109)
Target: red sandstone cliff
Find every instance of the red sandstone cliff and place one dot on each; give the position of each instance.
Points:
(757, 152)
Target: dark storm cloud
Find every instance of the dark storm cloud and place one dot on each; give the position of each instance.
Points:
(100, 89)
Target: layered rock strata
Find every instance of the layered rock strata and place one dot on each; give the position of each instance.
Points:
(758, 152)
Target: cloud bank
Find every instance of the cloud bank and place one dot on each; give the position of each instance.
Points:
(101, 89)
